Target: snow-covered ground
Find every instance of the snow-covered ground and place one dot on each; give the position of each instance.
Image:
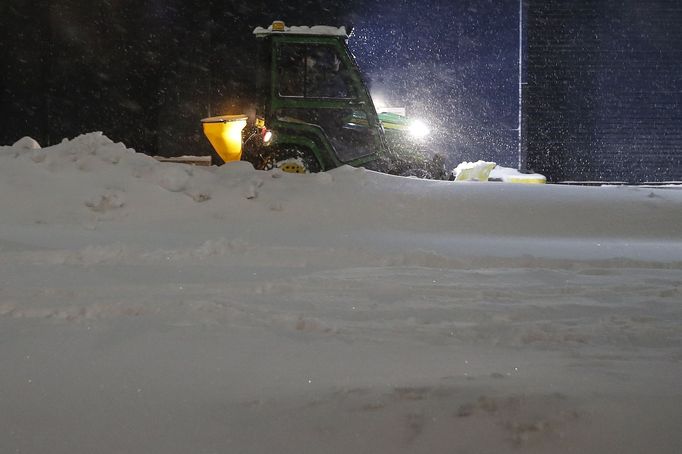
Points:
(150, 307)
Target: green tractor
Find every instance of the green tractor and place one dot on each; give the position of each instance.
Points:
(314, 112)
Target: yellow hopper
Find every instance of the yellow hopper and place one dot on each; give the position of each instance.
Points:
(225, 134)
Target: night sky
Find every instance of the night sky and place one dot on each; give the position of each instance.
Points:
(455, 64)
(145, 72)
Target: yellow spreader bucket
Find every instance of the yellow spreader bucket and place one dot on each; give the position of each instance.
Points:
(225, 134)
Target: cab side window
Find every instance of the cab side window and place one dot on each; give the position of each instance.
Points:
(312, 72)
(326, 75)
(291, 67)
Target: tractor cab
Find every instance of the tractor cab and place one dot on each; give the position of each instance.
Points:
(314, 112)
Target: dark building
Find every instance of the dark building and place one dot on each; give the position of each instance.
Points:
(604, 89)
(134, 70)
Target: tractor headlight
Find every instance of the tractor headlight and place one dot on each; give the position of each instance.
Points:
(418, 129)
(267, 136)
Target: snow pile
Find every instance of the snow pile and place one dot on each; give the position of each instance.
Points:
(485, 171)
(158, 307)
(473, 171)
(27, 143)
(509, 175)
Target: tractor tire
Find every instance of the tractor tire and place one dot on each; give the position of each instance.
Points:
(291, 160)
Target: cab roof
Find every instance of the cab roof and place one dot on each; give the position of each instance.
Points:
(278, 28)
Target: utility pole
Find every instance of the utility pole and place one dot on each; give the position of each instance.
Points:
(47, 54)
(521, 133)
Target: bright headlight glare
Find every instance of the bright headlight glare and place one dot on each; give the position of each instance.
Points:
(418, 129)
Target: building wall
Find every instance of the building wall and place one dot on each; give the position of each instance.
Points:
(604, 89)
(126, 68)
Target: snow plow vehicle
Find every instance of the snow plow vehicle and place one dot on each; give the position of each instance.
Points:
(314, 112)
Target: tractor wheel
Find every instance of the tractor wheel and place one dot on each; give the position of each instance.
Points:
(291, 160)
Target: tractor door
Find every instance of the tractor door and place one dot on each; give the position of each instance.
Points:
(318, 91)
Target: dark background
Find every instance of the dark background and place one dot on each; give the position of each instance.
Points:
(145, 72)
(601, 100)
(604, 89)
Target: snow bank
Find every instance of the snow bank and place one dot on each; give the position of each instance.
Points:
(509, 175)
(473, 171)
(92, 181)
(159, 307)
(490, 171)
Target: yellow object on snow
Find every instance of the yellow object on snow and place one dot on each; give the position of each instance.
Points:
(527, 179)
(225, 134)
(490, 171)
(509, 175)
(473, 171)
